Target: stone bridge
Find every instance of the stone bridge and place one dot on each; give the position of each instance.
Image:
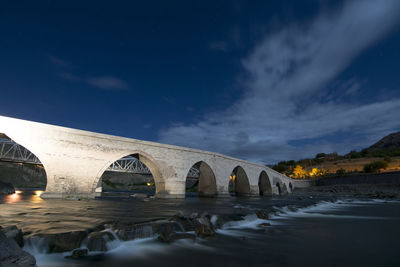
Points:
(74, 161)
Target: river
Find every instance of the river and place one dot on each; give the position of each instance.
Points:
(323, 231)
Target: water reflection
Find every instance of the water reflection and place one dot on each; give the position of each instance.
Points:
(36, 197)
(13, 198)
(38, 192)
(31, 196)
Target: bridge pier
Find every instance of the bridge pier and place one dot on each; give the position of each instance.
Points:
(174, 188)
(254, 190)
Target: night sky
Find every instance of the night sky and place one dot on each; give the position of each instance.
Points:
(258, 80)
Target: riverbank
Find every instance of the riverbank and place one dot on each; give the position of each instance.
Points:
(376, 191)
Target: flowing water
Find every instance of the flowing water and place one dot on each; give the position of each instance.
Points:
(302, 231)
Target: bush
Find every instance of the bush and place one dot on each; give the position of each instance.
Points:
(388, 159)
(354, 154)
(280, 168)
(375, 166)
(341, 171)
(320, 155)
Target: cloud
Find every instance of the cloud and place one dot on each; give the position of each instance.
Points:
(292, 93)
(70, 77)
(59, 62)
(108, 83)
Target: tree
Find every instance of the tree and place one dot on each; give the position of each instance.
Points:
(375, 166)
(299, 172)
(320, 155)
(341, 171)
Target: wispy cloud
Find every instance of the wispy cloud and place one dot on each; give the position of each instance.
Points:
(107, 83)
(291, 74)
(59, 62)
(70, 77)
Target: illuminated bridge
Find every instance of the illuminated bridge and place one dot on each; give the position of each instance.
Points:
(75, 160)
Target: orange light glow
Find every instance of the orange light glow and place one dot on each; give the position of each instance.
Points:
(38, 193)
(232, 178)
(13, 198)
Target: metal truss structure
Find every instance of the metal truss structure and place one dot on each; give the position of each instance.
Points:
(132, 165)
(13, 152)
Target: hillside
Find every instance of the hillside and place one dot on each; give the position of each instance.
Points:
(391, 141)
(385, 154)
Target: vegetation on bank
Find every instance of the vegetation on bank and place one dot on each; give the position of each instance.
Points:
(308, 168)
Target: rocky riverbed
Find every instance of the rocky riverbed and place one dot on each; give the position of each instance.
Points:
(98, 238)
(90, 231)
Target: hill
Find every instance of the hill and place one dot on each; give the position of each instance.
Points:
(384, 155)
(391, 141)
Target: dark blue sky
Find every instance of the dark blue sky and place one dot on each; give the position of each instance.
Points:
(260, 80)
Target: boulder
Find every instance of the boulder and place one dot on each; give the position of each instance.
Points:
(99, 227)
(12, 255)
(78, 253)
(262, 214)
(142, 230)
(186, 223)
(14, 233)
(193, 216)
(203, 226)
(97, 241)
(63, 242)
(165, 232)
(6, 188)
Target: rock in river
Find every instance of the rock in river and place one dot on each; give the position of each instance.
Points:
(64, 242)
(78, 253)
(14, 233)
(168, 233)
(97, 241)
(262, 214)
(203, 226)
(12, 255)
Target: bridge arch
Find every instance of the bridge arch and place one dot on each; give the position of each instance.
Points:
(18, 151)
(207, 183)
(239, 182)
(264, 184)
(149, 161)
(284, 189)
